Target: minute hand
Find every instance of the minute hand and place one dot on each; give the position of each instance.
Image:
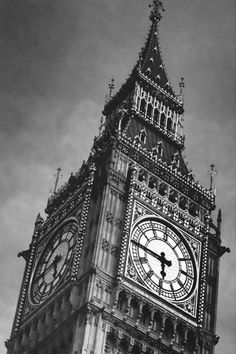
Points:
(155, 255)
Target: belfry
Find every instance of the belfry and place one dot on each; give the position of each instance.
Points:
(127, 258)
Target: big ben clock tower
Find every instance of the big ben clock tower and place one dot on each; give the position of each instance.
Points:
(127, 258)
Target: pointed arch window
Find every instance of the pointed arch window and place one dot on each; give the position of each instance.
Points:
(157, 322)
(143, 106)
(179, 334)
(169, 329)
(124, 345)
(122, 302)
(146, 315)
(143, 136)
(149, 110)
(138, 101)
(136, 349)
(134, 308)
(142, 176)
(160, 149)
(163, 120)
(156, 116)
(152, 182)
(191, 341)
(169, 124)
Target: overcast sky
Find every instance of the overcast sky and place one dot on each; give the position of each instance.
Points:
(56, 60)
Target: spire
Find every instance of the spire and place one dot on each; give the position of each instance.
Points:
(212, 173)
(157, 7)
(150, 63)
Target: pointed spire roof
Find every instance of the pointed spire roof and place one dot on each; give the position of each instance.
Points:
(149, 67)
(150, 62)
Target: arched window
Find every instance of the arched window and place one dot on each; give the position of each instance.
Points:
(152, 182)
(112, 337)
(169, 329)
(142, 176)
(143, 106)
(142, 136)
(163, 120)
(138, 101)
(180, 334)
(146, 315)
(173, 197)
(136, 349)
(122, 302)
(156, 116)
(134, 308)
(191, 341)
(157, 322)
(163, 189)
(183, 203)
(149, 110)
(169, 124)
(124, 345)
(160, 149)
(193, 209)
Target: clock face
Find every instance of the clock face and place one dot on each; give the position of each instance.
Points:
(163, 259)
(53, 263)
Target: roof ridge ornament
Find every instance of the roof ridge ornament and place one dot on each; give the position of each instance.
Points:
(212, 173)
(157, 8)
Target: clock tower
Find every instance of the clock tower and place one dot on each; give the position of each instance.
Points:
(127, 258)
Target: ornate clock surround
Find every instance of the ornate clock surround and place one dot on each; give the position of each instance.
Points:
(187, 304)
(52, 267)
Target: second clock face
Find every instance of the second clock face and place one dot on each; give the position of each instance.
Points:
(53, 263)
(163, 259)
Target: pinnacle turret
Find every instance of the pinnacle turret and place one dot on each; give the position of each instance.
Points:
(150, 63)
(157, 9)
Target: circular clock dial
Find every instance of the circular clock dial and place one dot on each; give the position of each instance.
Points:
(163, 259)
(53, 263)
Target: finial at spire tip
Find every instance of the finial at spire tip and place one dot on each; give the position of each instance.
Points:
(157, 8)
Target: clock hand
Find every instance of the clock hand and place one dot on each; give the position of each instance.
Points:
(163, 274)
(57, 258)
(160, 258)
(55, 263)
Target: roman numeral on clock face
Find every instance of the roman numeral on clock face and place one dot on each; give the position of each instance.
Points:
(187, 274)
(149, 274)
(184, 259)
(173, 291)
(182, 285)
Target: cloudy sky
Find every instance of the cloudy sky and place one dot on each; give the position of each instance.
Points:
(56, 60)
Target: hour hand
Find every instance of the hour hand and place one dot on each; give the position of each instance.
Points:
(55, 263)
(160, 258)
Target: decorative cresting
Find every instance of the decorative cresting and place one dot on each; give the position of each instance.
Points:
(83, 221)
(185, 183)
(125, 238)
(28, 269)
(69, 194)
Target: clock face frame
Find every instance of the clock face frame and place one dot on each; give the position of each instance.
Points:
(52, 266)
(163, 259)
